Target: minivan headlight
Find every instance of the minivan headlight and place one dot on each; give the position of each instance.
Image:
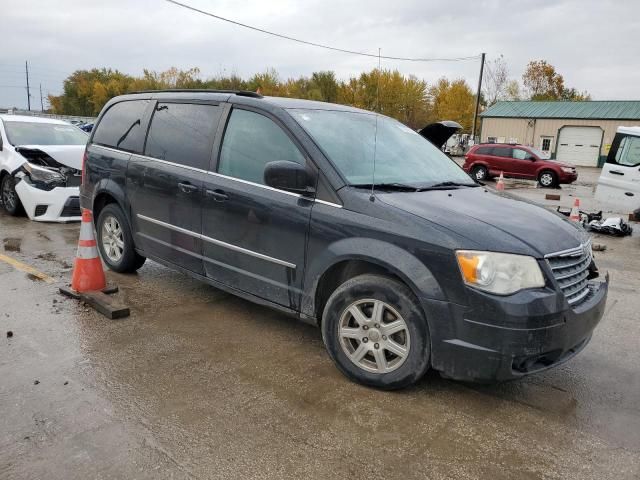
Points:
(500, 273)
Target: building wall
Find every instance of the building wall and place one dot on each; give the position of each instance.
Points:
(529, 131)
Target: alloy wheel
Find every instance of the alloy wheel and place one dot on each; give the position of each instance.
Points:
(374, 336)
(546, 179)
(112, 238)
(8, 194)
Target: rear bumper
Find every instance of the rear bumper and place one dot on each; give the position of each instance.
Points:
(60, 204)
(510, 337)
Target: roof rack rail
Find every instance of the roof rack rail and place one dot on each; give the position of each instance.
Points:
(241, 93)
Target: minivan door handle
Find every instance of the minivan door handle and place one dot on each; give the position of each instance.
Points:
(616, 172)
(187, 187)
(217, 195)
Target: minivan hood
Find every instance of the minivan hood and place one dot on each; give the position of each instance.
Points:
(491, 221)
(68, 155)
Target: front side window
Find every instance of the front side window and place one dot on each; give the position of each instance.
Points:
(628, 153)
(42, 133)
(250, 142)
(351, 140)
(183, 133)
(121, 126)
(520, 154)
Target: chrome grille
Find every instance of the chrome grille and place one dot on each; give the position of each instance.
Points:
(571, 270)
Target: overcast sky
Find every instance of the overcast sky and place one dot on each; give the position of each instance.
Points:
(593, 43)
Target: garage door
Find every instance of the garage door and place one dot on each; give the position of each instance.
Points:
(580, 145)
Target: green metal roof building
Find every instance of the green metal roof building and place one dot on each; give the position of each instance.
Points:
(576, 132)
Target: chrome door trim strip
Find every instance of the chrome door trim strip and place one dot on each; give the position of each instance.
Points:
(248, 252)
(218, 242)
(324, 202)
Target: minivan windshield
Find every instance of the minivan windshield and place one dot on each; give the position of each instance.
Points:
(41, 133)
(403, 158)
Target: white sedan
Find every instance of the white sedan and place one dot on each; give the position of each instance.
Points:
(40, 167)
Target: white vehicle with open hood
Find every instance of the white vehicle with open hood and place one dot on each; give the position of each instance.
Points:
(41, 167)
(619, 182)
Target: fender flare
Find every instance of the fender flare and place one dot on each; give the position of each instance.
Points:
(393, 258)
(112, 189)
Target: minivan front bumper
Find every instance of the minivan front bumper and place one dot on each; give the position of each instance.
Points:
(503, 338)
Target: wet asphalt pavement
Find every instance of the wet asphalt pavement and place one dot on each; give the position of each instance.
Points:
(200, 384)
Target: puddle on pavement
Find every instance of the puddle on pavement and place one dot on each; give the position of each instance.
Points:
(12, 244)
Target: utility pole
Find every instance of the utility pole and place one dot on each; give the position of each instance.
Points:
(475, 114)
(26, 69)
(41, 102)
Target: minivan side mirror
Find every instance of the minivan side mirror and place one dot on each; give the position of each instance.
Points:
(289, 176)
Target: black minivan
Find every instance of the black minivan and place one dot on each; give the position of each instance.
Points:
(348, 220)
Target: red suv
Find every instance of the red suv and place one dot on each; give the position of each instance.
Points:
(517, 161)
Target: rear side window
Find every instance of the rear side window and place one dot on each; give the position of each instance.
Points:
(501, 152)
(250, 142)
(183, 133)
(483, 151)
(121, 126)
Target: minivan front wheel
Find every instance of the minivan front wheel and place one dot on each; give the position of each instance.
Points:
(116, 242)
(375, 332)
(548, 179)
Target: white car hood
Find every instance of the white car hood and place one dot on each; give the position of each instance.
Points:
(69, 155)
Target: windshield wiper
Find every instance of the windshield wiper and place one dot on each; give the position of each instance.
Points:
(446, 186)
(400, 187)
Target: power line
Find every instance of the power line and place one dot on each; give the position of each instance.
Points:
(319, 45)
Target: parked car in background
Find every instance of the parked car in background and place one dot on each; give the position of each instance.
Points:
(87, 127)
(40, 167)
(345, 219)
(488, 160)
(619, 182)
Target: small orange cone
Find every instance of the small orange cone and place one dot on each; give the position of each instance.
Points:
(500, 183)
(87, 268)
(575, 211)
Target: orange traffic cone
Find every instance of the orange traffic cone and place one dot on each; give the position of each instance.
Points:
(500, 183)
(87, 268)
(575, 211)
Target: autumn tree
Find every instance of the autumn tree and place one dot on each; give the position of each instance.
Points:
(389, 92)
(453, 100)
(542, 82)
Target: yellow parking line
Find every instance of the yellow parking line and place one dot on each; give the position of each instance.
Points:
(18, 265)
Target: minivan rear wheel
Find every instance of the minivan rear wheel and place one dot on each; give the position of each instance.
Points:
(480, 173)
(376, 333)
(115, 241)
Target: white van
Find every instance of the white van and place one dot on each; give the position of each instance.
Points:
(619, 182)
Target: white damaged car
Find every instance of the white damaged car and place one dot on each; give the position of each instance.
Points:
(41, 167)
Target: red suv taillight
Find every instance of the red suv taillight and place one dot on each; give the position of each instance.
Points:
(84, 166)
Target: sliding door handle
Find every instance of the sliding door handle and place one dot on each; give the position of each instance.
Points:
(217, 195)
(187, 187)
(616, 172)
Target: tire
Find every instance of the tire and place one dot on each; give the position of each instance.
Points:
(115, 241)
(480, 173)
(362, 355)
(10, 200)
(548, 179)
